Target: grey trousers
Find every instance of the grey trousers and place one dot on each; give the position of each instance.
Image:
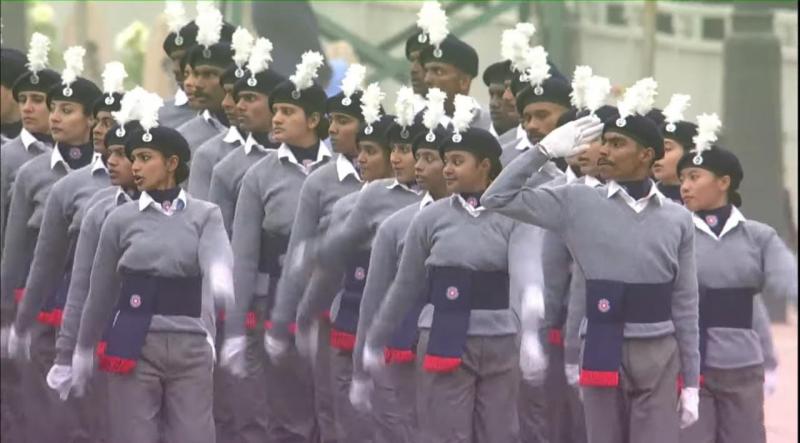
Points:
(478, 402)
(225, 385)
(731, 407)
(394, 407)
(643, 408)
(533, 414)
(12, 417)
(48, 418)
(323, 393)
(352, 426)
(564, 407)
(169, 393)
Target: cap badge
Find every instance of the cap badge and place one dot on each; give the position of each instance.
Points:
(360, 273)
(239, 73)
(109, 100)
(296, 94)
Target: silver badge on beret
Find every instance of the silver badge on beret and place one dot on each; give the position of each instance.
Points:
(671, 127)
(697, 160)
(34, 79)
(620, 122)
(296, 94)
(404, 133)
(178, 40)
(147, 137)
(538, 90)
(120, 132)
(109, 100)
(368, 130)
(437, 53)
(430, 137)
(252, 81)
(422, 38)
(67, 91)
(346, 101)
(206, 53)
(456, 138)
(239, 72)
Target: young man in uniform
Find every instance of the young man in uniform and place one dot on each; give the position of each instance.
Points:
(12, 64)
(506, 126)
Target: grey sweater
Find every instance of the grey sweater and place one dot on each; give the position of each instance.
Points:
(207, 156)
(173, 115)
(200, 129)
(226, 178)
(15, 153)
(142, 239)
(655, 245)
(97, 209)
(267, 203)
(58, 235)
(320, 192)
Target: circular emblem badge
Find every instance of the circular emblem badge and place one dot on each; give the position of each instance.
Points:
(75, 153)
(136, 301)
(166, 204)
(472, 201)
(603, 305)
(712, 220)
(360, 273)
(452, 293)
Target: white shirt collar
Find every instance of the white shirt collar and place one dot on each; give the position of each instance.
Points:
(27, 139)
(146, 200)
(344, 167)
(233, 136)
(592, 182)
(397, 184)
(734, 219)
(251, 143)
(518, 133)
(523, 144)
(180, 98)
(475, 212)
(121, 193)
(426, 200)
(56, 158)
(571, 177)
(97, 163)
(636, 205)
(322, 153)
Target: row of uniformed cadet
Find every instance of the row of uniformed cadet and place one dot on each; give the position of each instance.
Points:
(391, 283)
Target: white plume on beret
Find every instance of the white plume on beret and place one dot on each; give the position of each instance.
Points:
(371, 103)
(353, 79)
(462, 115)
(404, 107)
(537, 70)
(639, 98)
(176, 16)
(432, 19)
(242, 43)
(209, 24)
(129, 106)
(260, 56)
(580, 81)
(515, 43)
(73, 64)
(678, 103)
(597, 89)
(148, 106)
(434, 108)
(306, 70)
(707, 127)
(114, 75)
(37, 52)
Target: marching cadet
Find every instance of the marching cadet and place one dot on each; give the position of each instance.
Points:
(653, 275)
(182, 36)
(468, 349)
(13, 65)
(678, 135)
(169, 254)
(736, 259)
(506, 125)
(215, 149)
(265, 212)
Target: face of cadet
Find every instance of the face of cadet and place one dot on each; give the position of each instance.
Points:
(502, 107)
(373, 161)
(623, 159)
(701, 189)
(8, 106)
(103, 122)
(291, 125)
(152, 170)
(587, 160)
(229, 104)
(428, 170)
(189, 87)
(119, 167)
(175, 59)
(417, 74)
(446, 77)
(464, 173)
(666, 169)
(68, 123)
(540, 118)
(253, 113)
(342, 132)
(207, 90)
(402, 160)
(34, 112)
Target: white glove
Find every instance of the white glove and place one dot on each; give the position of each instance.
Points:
(573, 373)
(305, 339)
(232, 356)
(689, 406)
(373, 359)
(770, 381)
(573, 137)
(19, 346)
(532, 360)
(360, 393)
(276, 348)
(221, 280)
(59, 378)
(82, 367)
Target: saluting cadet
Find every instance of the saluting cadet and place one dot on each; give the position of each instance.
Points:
(182, 36)
(678, 135)
(506, 126)
(13, 65)
(265, 213)
(736, 259)
(652, 280)
(169, 254)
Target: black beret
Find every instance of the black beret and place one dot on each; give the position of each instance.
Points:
(422, 141)
(379, 132)
(604, 113)
(166, 140)
(352, 108)
(41, 82)
(518, 85)
(498, 73)
(188, 37)
(640, 128)
(228, 77)
(454, 51)
(568, 116)
(82, 91)
(116, 137)
(656, 116)
(398, 134)
(478, 141)
(413, 44)
(721, 162)
(683, 133)
(107, 102)
(311, 99)
(219, 55)
(554, 90)
(263, 83)
(12, 66)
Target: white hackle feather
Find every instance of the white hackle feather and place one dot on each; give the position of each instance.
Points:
(434, 108)
(37, 52)
(673, 112)
(597, 89)
(580, 81)
(114, 76)
(148, 107)
(432, 19)
(639, 98)
(371, 103)
(306, 70)
(353, 79)
(176, 16)
(515, 43)
(537, 70)
(242, 44)
(209, 24)
(708, 126)
(462, 115)
(260, 56)
(129, 106)
(73, 64)
(404, 107)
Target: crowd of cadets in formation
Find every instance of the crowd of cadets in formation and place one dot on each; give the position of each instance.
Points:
(252, 261)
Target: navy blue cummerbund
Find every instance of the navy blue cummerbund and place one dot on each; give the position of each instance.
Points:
(273, 247)
(343, 329)
(727, 307)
